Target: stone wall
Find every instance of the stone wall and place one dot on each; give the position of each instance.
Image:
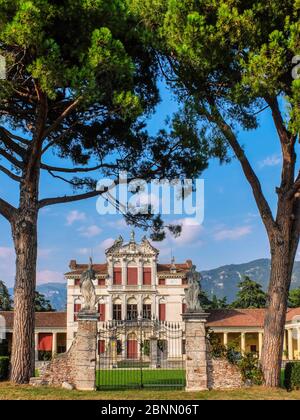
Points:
(77, 367)
(223, 375)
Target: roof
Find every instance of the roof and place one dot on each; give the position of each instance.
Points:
(243, 317)
(77, 269)
(42, 319)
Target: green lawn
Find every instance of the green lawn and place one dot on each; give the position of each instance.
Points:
(132, 378)
(25, 392)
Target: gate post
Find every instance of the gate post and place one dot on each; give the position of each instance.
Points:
(196, 351)
(85, 357)
(153, 352)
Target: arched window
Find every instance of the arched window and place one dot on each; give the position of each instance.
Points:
(117, 309)
(147, 308)
(132, 311)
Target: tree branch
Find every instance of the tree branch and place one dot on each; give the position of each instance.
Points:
(251, 176)
(7, 210)
(10, 174)
(11, 159)
(68, 198)
(4, 136)
(60, 119)
(75, 170)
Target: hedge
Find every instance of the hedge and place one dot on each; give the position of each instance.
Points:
(292, 376)
(4, 367)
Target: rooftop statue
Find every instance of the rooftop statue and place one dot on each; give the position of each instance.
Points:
(192, 292)
(87, 288)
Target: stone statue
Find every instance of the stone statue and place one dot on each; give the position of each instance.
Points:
(87, 288)
(192, 292)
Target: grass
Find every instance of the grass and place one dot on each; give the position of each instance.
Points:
(150, 378)
(25, 392)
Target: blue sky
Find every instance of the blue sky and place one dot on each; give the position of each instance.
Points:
(232, 231)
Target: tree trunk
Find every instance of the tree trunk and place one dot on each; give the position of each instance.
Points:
(281, 272)
(24, 230)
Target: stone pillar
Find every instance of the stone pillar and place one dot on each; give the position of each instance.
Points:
(153, 353)
(243, 343)
(284, 346)
(85, 355)
(260, 344)
(298, 342)
(196, 351)
(140, 273)
(225, 339)
(54, 344)
(290, 344)
(113, 353)
(36, 346)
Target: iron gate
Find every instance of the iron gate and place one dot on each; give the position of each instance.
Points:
(140, 354)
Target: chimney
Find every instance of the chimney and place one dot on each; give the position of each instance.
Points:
(189, 263)
(73, 265)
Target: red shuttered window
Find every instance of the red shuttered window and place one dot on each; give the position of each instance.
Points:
(184, 308)
(101, 282)
(101, 346)
(162, 311)
(132, 276)
(77, 307)
(147, 276)
(45, 342)
(162, 282)
(117, 275)
(101, 310)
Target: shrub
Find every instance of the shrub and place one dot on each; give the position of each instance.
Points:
(292, 376)
(250, 369)
(4, 367)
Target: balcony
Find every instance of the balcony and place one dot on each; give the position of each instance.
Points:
(128, 287)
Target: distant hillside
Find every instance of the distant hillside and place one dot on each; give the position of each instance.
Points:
(223, 281)
(56, 293)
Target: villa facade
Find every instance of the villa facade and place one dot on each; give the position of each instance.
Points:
(130, 285)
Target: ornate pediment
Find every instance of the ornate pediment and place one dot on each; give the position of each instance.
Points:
(131, 248)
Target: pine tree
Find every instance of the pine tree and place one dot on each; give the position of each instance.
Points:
(250, 295)
(5, 299)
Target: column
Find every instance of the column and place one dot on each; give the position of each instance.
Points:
(243, 343)
(36, 346)
(140, 273)
(110, 272)
(225, 336)
(124, 272)
(154, 273)
(84, 352)
(54, 344)
(153, 353)
(124, 309)
(290, 344)
(140, 305)
(196, 351)
(298, 342)
(284, 346)
(260, 344)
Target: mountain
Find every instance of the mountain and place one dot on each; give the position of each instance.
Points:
(56, 293)
(223, 281)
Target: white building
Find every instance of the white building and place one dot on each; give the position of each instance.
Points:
(131, 284)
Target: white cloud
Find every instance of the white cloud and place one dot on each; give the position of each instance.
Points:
(105, 244)
(90, 231)
(269, 161)
(232, 234)
(190, 233)
(48, 276)
(75, 216)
